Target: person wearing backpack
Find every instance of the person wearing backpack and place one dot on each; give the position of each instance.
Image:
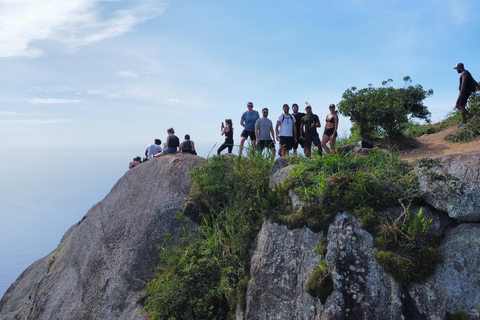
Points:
(286, 131)
(170, 145)
(466, 87)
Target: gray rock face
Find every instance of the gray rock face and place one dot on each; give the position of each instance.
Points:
(456, 282)
(361, 289)
(281, 265)
(102, 264)
(460, 199)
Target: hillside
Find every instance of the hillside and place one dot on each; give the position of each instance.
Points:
(434, 145)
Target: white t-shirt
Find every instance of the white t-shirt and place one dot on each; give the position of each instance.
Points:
(153, 149)
(286, 125)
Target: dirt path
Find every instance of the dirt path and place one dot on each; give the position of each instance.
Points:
(434, 145)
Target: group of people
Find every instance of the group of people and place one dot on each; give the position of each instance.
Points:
(172, 145)
(291, 130)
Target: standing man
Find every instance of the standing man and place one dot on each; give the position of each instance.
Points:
(298, 121)
(264, 132)
(467, 86)
(153, 149)
(310, 123)
(248, 120)
(286, 131)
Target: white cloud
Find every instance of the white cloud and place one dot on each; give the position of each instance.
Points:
(72, 22)
(32, 121)
(128, 74)
(52, 101)
(108, 95)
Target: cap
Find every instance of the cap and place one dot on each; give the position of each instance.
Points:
(459, 65)
(331, 105)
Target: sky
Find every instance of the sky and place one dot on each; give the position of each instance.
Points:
(119, 73)
(86, 85)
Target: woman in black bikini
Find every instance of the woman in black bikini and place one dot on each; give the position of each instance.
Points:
(330, 132)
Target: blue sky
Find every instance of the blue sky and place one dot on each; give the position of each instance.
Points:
(113, 73)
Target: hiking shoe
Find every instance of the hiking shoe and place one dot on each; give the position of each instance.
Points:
(461, 125)
(471, 118)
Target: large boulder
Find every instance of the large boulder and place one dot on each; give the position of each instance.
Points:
(452, 185)
(102, 264)
(456, 282)
(362, 290)
(280, 267)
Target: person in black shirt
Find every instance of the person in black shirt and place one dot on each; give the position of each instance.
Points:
(467, 86)
(298, 121)
(188, 145)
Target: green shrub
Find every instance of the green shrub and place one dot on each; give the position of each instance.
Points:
(205, 276)
(406, 251)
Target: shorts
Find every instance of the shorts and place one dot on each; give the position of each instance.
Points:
(262, 144)
(300, 142)
(287, 142)
(462, 102)
(169, 150)
(311, 137)
(329, 132)
(248, 133)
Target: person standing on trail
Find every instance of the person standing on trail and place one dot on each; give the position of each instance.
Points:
(264, 133)
(466, 87)
(286, 131)
(247, 121)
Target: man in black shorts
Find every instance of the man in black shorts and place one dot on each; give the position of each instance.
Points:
(248, 120)
(310, 123)
(467, 86)
(286, 131)
(298, 121)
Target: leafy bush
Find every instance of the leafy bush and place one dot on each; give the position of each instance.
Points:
(384, 109)
(205, 276)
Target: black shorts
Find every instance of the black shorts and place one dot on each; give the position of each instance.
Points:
(248, 133)
(287, 142)
(311, 137)
(329, 132)
(262, 144)
(462, 102)
(300, 142)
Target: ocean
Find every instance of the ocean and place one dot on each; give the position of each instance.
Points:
(43, 193)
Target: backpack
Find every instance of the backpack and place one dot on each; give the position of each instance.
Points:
(174, 141)
(283, 118)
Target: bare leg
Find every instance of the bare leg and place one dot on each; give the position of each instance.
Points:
(242, 141)
(332, 143)
(464, 113)
(325, 139)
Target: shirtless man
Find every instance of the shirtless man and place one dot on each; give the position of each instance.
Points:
(467, 86)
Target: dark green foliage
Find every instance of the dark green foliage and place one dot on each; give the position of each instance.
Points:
(206, 276)
(405, 250)
(320, 283)
(457, 315)
(384, 109)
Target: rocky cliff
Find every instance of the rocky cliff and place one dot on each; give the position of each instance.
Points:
(102, 264)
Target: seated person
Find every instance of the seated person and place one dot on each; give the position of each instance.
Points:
(171, 144)
(188, 145)
(136, 161)
(153, 149)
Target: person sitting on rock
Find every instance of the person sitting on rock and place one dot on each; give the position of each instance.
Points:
(153, 149)
(188, 145)
(170, 145)
(136, 161)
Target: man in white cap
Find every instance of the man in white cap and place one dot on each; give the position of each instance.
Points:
(466, 87)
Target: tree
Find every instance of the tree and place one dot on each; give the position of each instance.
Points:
(384, 109)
